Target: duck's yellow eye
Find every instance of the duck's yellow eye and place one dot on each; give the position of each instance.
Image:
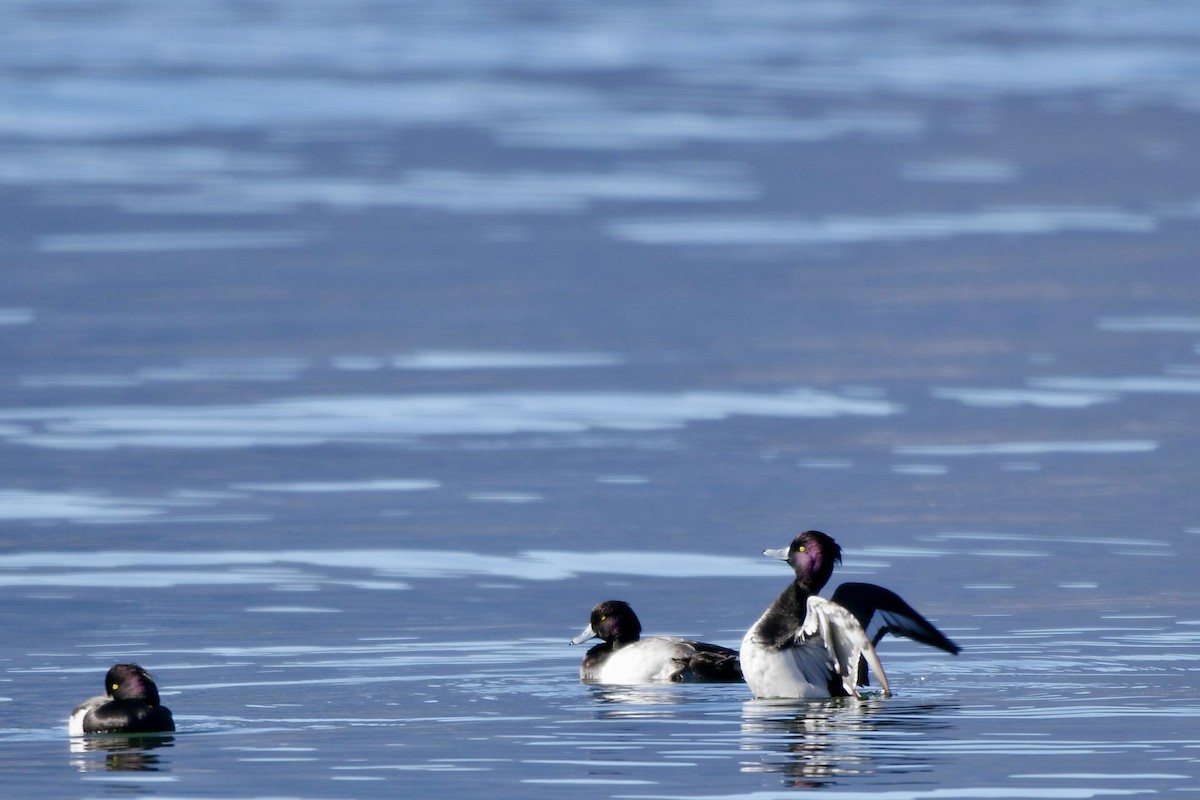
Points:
(802, 548)
(115, 686)
(603, 617)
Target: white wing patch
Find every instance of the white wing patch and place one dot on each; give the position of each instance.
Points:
(75, 721)
(828, 624)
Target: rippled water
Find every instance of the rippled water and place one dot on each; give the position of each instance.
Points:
(353, 351)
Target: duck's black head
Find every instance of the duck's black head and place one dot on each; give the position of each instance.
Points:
(812, 555)
(130, 682)
(614, 622)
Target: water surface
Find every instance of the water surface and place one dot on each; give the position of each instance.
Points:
(354, 351)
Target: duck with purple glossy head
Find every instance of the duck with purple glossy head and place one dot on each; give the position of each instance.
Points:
(804, 646)
(130, 704)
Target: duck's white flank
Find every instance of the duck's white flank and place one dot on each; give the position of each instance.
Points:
(658, 658)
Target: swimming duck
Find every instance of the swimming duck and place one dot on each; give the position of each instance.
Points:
(130, 705)
(625, 658)
(805, 646)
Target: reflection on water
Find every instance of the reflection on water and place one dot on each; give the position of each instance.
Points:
(162, 569)
(270, 193)
(846, 230)
(17, 504)
(1029, 448)
(121, 753)
(16, 316)
(805, 744)
(334, 708)
(454, 360)
(526, 192)
(1011, 398)
(307, 422)
(168, 241)
(1150, 324)
(817, 743)
(320, 487)
(278, 369)
(961, 170)
(637, 702)
(1150, 384)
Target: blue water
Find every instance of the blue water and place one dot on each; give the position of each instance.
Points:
(353, 351)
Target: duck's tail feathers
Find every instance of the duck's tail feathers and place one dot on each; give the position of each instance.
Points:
(713, 663)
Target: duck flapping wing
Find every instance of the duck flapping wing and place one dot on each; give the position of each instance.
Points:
(837, 629)
(884, 611)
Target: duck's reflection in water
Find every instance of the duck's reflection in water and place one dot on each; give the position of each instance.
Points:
(665, 701)
(132, 753)
(638, 702)
(813, 743)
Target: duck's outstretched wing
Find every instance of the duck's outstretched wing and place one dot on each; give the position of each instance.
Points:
(835, 628)
(875, 605)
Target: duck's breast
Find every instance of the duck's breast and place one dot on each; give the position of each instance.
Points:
(800, 671)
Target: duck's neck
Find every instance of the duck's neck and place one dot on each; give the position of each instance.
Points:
(625, 641)
(614, 644)
(785, 616)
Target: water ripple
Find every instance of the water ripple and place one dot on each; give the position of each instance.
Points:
(1149, 384)
(1012, 398)
(169, 241)
(311, 421)
(859, 230)
(147, 568)
(1111, 446)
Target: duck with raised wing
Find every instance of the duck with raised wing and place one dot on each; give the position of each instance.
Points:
(624, 658)
(130, 704)
(805, 646)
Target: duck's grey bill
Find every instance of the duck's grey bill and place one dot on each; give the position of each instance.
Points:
(780, 553)
(586, 634)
